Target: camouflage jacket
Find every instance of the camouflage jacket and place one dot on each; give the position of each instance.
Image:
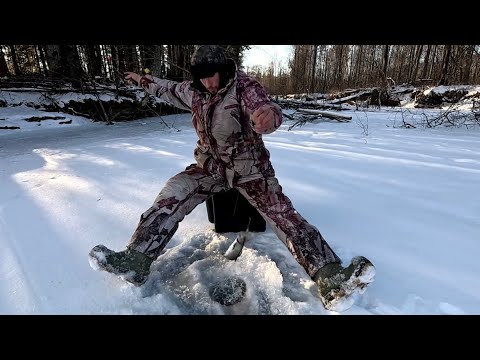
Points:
(228, 148)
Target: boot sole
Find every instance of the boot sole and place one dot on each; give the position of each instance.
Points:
(98, 261)
(342, 299)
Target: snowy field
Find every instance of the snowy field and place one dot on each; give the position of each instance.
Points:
(407, 199)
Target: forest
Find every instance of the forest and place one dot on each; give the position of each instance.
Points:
(311, 68)
(88, 80)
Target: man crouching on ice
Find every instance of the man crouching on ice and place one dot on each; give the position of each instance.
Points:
(230, 112)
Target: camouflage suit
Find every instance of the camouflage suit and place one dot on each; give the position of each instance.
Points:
(228, 154)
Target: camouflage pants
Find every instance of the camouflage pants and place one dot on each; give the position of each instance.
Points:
(184, 191)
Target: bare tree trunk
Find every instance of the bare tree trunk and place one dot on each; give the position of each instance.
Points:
(70, 64)
(425, 63)
(173, 56)
(64, 61)
(3, 64)
(432, 72)
(116, 62)
(121, 59)
(187, 52)
(399, 62)
(41, 50)
(411, 63)
(314, 65)
(351, 73)
(105, 61)
(142, 56)
(445, 63)
(170, 57)
(13, 53)
(339, 69)
(37, 60)
(458, 63)
(52, 53)
(147, 53)
(131, 58)
(293, 68)
(158, 64)
(94, 60)
(468, 65)
(359, 66)
(385, 64)
(325, 73)
(371, 70)
(417, 61)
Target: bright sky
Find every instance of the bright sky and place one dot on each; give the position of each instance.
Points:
(264, 54)
(405, 198)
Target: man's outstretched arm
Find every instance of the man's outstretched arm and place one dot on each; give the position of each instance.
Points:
(177, 94)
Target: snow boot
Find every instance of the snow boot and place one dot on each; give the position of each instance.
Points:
(130, 265)
(336, 284)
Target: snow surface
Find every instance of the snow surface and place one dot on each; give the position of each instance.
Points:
(407, 199)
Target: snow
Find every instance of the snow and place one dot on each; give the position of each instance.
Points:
(443, 89)
(15, 97)
(405, 198)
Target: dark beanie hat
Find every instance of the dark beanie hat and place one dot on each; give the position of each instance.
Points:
(209, 54)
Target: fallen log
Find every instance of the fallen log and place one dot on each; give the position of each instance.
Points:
(40, 118)
(351, 97)
(295, 104)
(303, 116)
(341, 118)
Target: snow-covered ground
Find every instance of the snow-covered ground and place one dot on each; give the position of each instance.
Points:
(407, 199)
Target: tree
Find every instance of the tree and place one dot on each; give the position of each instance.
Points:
(131, 58)
(470, 50)
(147, 53)
(314, 65)
(64, 62)
(158, 64)
(236, 52)
(445, 63)
(178, 61)
(385, 62)
(43, 61)
(13, 56)
(3, 64)
(94, 60)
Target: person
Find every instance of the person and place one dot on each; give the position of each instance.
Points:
(230, 113)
